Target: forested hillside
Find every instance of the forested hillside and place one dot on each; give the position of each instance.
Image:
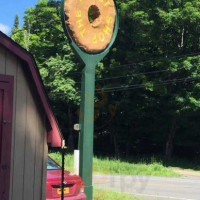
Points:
(147, 88)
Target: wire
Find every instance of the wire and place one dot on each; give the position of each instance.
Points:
(118, 77)
(152, 72)
(72, 73)
(138, 86)
(154, 60)
(143, 73)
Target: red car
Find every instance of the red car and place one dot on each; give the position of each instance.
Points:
(73, 189)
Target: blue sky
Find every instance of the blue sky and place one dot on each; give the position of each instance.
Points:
(8, 10)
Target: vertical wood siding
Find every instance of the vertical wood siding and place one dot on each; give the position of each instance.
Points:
(29, 139)
(2, 60)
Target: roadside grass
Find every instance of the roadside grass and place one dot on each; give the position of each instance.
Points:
(114, 166)
(100, 194)
(172, 163)
(110, 166)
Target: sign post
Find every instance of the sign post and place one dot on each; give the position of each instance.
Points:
(91, 27)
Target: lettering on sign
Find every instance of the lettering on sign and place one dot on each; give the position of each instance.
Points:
(91, 24)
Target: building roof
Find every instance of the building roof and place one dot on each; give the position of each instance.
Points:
(54, 134)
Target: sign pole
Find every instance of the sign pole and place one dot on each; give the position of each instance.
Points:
(87, 127)
(74, 18)
(87, 123)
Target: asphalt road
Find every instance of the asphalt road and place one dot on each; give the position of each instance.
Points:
(152, 188)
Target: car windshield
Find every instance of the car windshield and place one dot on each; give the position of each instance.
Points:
(51, 165)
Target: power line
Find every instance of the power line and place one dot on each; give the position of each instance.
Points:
(142, 73)
(152, 60)
(72, 73)
(138, 86)
(126, 76)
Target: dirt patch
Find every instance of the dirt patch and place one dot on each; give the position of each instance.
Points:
(186, 172)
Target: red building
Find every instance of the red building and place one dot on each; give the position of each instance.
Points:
(27, 125)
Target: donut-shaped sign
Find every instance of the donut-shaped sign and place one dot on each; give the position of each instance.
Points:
(90, 23)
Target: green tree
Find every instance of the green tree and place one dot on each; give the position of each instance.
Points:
(151, 115)
(15, 25)
(43, 36)
(155, 31)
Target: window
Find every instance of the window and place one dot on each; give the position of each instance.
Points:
(51, 165)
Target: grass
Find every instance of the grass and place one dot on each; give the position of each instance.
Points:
(108, 166)
(113, 166)
(100, 194)
(69, 162)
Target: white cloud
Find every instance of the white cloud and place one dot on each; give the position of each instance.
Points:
(5, 29)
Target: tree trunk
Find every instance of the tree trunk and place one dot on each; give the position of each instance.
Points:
(169, 143)
(130, 140)
(116, 146)
(70, 141)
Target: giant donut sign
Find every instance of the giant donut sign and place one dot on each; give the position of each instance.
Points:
(90, 23)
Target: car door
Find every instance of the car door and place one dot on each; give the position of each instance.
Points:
(6, 107)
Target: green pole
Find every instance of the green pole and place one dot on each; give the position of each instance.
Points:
(87, 103)
(87, 124)
(87, 128)
(86, 118)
